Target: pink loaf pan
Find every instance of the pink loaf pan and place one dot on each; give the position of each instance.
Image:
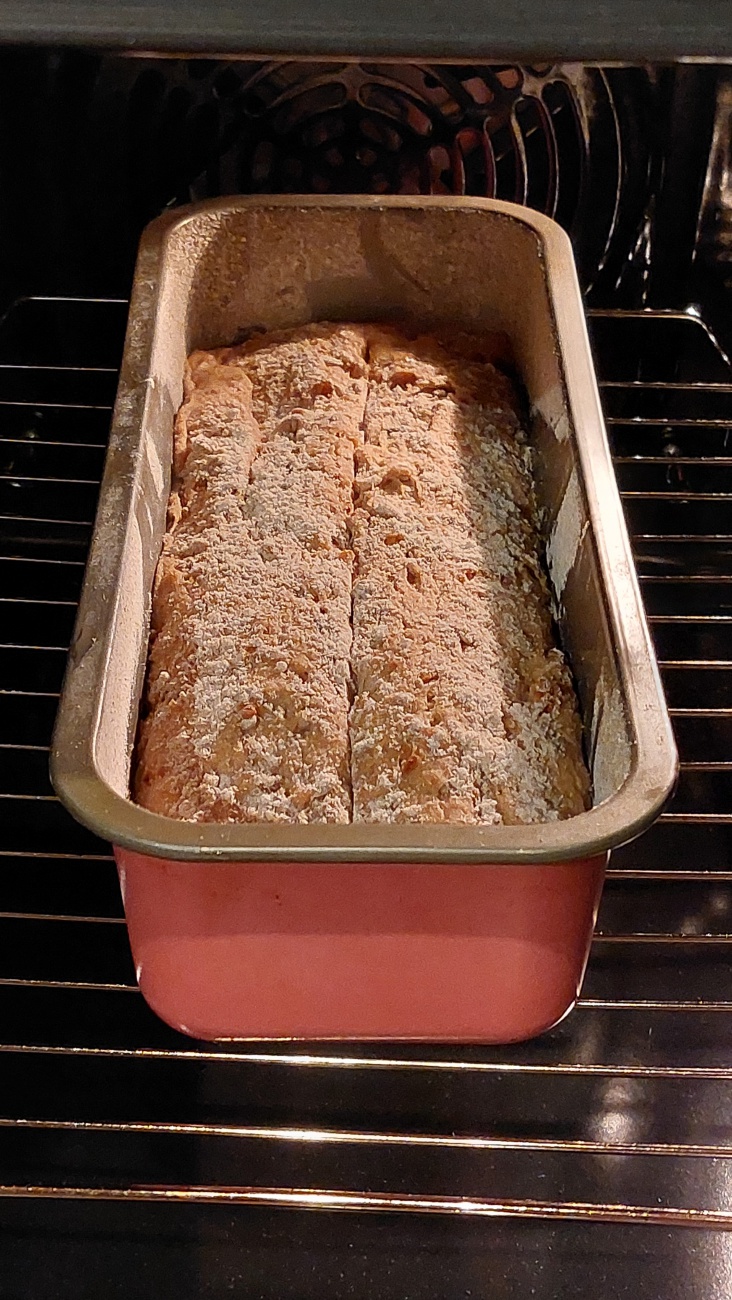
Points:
(366, 931)
(385, 950)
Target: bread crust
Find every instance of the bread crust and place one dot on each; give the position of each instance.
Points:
(464, 709)
(247, 694)
(351, 620)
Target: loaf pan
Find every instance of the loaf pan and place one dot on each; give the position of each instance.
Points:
(396, 931)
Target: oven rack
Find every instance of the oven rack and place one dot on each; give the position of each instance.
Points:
(618, 1120)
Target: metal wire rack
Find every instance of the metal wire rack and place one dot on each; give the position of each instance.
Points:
(618, 1119)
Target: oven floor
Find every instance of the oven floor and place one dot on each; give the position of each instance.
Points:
(597, 1159)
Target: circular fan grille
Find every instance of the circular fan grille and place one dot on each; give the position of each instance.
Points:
(545, 136)
(412, 130)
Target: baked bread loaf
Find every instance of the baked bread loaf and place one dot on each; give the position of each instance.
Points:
(350, 618)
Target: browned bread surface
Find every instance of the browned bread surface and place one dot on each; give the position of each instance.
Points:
(246, 712)
(351, 618)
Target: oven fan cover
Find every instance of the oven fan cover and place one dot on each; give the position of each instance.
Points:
(562, 139)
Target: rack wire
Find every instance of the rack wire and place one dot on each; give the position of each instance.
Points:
(619, 1116)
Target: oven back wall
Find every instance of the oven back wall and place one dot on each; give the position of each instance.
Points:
(616, 1123)
(92, 147)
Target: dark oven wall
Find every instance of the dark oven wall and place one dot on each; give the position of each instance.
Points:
(594, 1161)
(92, 147)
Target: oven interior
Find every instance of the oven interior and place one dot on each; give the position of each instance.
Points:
(598, 1157)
